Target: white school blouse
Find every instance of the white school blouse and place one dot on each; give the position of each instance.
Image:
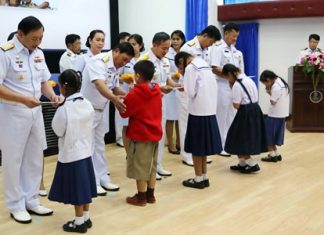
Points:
(280, 95)
(201, 87)
(239, 96)
(72, 123)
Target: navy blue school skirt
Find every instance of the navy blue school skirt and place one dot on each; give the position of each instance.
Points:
(247, 133)
(275, 130)
(202, 137)
(74, 183)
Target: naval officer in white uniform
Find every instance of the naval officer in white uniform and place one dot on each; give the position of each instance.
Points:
(23, 78)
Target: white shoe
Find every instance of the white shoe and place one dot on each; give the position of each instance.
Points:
(40, 210)
(110, 187)
(224, 154)
(42, 193)
(158, 177)
(101, 191)
(163, 172)
(21, 217)
(188, 162)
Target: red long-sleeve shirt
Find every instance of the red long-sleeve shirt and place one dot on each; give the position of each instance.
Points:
(144, 109)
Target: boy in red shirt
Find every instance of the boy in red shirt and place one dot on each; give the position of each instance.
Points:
(144, 109)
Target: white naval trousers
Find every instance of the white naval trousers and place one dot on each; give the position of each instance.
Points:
(225, 112)
(162, 141)
(118, 127)
(100, 128)
(183, 102)
(22, 140)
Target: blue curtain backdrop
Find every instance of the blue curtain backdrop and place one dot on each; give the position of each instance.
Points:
(247, 43)
(196, 17)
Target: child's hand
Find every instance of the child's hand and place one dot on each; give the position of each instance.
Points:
(119, 104)
(166, 89)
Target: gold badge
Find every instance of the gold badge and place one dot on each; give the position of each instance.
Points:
(21, 77)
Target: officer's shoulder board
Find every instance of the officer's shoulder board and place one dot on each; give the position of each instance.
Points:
(145, 56)
(8, 46)
(200, 64)
(219, 43)
(106, 58)
(69, 54)
(191, 43)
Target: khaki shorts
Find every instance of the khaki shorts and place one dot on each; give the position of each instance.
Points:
(142, 160)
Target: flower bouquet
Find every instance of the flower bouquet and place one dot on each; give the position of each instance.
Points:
(313, 67)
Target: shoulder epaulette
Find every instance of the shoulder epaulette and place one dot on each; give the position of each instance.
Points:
(218, 43)
(8, 46)
(68, 54)
(144, 57)
(106, 58)
(191, 43)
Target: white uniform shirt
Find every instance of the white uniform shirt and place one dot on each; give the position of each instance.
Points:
(99, 67)
(307, 51)
(239, 96)
(162, 68)
(72, 123)
(171, 54)
(67, 60)
(21, 71)
(280, 95)
(127, 69)
(201, 87)
(223, 54)
(82, 60)
(193, 47)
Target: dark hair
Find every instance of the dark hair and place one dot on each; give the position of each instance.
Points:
(71, 80)
(11, 35)
(145, 68)
(160, 37)
(29, 23)
(121, 36)
(92, 35)
(71, 38)
(138, 38)
(212, 32)
(125, 47)
(230, 69)
(269, 75)
(314, 36)
(180, 34)
(182, 55)
(231, 26)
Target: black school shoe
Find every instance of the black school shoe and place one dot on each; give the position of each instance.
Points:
(88, 223)
(250, 169)
(237, 167)
(271, 158)
(191, 183)
(206, 183)
(72, 227)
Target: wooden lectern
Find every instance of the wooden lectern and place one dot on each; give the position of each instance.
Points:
(305, 116)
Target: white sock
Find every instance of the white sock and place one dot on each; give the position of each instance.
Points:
(277, 153)
(251, 162)
(242, 162)
(205, 177)
(78, 220)
(273, 153)
(86, 215)
(199, 178)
